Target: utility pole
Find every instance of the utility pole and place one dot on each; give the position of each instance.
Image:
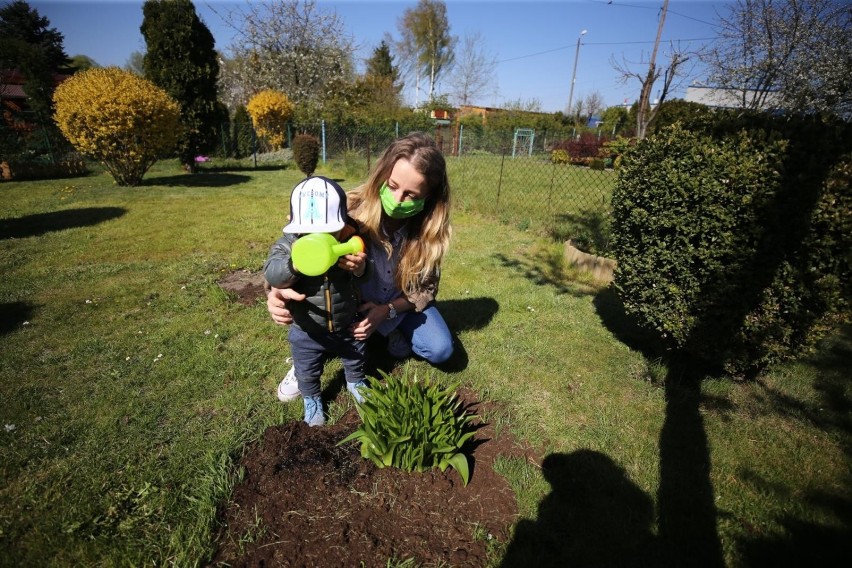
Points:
(574, 73)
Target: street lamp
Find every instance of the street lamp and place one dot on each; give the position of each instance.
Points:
(574, 74)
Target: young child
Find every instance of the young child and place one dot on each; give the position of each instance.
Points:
(321, 321)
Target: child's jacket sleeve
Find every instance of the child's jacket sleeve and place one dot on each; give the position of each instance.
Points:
(278, 269)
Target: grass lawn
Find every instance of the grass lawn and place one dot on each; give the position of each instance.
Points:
(130, 382)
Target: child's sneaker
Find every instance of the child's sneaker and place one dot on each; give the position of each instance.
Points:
(288, 388)
(398, 346)
(313, 411)
(354, 388)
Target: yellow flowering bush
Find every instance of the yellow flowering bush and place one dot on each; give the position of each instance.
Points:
(270, 111)
(118, 118)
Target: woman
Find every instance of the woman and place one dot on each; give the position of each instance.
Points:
(404, 209)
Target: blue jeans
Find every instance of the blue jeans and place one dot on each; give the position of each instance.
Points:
(311, 351)
(428, 334)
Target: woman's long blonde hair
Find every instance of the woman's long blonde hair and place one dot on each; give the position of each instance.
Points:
(427, 237)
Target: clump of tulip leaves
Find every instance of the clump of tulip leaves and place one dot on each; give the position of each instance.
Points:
(413, 425)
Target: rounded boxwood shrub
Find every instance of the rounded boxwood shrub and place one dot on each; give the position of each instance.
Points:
(732, 248)
(306, 153)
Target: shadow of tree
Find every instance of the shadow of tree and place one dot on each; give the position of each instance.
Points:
(239, 168)
(811, 543)
(40, 223)
(12, 315)
(804, 543)
(211, 179)
(593, 516)
(544, 270)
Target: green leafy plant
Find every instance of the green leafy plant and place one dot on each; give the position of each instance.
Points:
(731, 246)
(413, 425)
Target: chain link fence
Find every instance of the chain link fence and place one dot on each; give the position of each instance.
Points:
(550, 182)
(32, 148)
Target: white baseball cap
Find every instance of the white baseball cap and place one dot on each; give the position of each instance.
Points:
(317, 205)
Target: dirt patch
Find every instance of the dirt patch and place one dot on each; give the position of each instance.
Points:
(246, 286)
(304, 501)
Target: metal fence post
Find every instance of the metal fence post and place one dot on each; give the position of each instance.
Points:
(322, 126)
(500, 181)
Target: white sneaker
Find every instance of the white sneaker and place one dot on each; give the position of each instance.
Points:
(288, 388)
(398, 346)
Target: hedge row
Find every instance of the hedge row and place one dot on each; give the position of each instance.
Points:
(733, 240)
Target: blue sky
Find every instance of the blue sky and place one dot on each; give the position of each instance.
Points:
(534, 42)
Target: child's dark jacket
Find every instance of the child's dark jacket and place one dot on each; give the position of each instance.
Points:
(331, 299)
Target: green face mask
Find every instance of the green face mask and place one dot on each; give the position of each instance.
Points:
(397, 210)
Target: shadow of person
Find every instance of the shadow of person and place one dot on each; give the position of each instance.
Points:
(593, 516)
(465, 314)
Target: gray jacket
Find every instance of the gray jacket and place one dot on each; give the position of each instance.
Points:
(331, 299)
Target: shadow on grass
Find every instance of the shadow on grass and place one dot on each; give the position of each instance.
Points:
(543, 270)
(12, 315)
(588, 229)
(241, 168)
(213, 179)
(810, 543)
(41, 223)
(686, 511)
(593, 516)
(686, 503)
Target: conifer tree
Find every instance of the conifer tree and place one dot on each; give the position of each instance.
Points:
(30, 45)
(181, 59)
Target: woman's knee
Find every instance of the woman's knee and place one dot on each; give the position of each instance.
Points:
(436, 352)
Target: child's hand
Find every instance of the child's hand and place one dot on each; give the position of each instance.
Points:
(354, 263)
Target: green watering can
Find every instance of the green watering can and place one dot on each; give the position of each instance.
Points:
(315, 253)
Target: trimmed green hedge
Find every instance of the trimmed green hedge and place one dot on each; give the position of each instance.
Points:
(734, 245)
(306, 153)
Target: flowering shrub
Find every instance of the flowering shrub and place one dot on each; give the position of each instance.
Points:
(559, 157)
(271, 110)
(122, 120)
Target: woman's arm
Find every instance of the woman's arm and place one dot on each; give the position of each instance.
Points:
(276, 303)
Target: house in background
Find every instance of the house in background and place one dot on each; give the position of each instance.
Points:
(716, 97)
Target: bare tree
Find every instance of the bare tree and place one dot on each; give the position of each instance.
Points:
(648, 78)
(426, 46)
(786, 54)
(288, 45)
(521, 105)
(473, 73)
(593, 103)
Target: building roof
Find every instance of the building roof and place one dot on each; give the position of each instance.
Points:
(718, 97)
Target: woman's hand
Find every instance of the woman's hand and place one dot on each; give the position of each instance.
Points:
(375, 314)
(354, 263)
(276, 303)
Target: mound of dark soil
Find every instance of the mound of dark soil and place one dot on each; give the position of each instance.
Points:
(305, 501)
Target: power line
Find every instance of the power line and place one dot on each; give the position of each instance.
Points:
(602, 43)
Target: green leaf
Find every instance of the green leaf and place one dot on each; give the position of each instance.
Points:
(459, 463)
